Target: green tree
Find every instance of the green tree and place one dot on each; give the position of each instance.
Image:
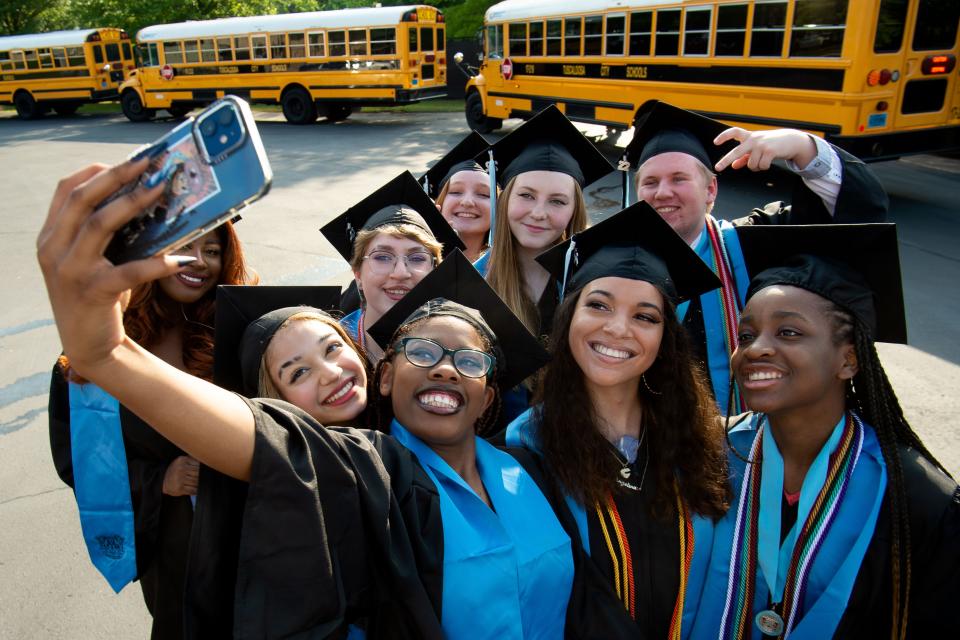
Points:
(28, 16)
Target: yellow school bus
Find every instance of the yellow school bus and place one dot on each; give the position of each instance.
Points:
(62, 70)
(320, 63)
(876, 77)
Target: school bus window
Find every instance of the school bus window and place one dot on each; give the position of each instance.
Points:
(127, 51)
(818, 28)
(518, 39)
(45, 58)
(190, 51)
(337, 42)
(97, 54)
(5, 63)
(358, 42)
(616, 34)
(769, 22)
(640, 24)
(207, 52)
(315, 42)
(494, 42)
(593, 35)
(696, 32)
(296, 45)
(383, 42)
(224, 50)
(75, 56)
(668, 33)
(936, 25)
(441, 39)
(113, 52)
(30, 56)
(59, 57)
(890, 25)
(554, 33)
(412, 39)
(536, 38)
(426, 39)
(241, 48)
(278, 46)
(259, 45)
(731, 30)
(571, 36)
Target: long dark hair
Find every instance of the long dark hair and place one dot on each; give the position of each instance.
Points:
(871, 395)
(683, 428)
(380, 412)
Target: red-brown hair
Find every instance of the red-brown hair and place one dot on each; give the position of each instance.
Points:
(147, 318)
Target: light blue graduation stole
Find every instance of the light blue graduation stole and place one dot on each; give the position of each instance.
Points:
(102, 484)
(507, 571)
(351, 324)
(522, 432)
(482, 264)
(833, 572)
(718, 359)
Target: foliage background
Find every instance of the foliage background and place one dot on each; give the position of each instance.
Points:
(33, 16)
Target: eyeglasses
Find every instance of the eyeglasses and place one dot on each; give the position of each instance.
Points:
(384, 262)
(421, 352)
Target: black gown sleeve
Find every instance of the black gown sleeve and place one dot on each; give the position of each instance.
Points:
(861, 199)
(58, 413)
(934, 506)
(338, 526)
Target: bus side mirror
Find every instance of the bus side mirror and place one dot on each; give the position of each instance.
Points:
(458, 57)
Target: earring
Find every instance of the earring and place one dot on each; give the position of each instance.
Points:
(643, 376)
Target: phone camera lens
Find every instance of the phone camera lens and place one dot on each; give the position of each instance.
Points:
(226, 117)
(208, 127)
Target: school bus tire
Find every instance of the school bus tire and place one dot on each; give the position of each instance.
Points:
(179, 111)
(337, 112)
(133, 107)
(27, 107)
(298, 106)
(66, 109)
(476, 119)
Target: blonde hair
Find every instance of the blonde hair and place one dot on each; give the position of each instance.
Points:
(505, 274)
(265, 386)
(402, 230)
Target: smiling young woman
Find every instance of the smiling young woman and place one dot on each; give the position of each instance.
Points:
(846, 525)
(626, 428)
(172, 317)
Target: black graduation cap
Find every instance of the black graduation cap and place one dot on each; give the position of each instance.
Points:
(661, 127)
(857, 266)
(400, 201)
(635, 243)
(460, 158)
(456, 280)
(548, 142)
(237, 307)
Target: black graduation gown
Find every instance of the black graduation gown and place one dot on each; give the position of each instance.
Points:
(338, 526)
(934, 501)
(161, 523)
(595, 612)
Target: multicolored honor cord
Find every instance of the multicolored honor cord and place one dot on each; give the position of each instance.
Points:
(741, 584)
(729, 302)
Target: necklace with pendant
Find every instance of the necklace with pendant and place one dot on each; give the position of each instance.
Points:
(626, 472)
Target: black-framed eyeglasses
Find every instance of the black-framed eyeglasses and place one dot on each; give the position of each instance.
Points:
(425, 353)
(384, 262)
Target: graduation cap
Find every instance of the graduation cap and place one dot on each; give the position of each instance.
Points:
(237, 307)
(856, 266)
(635, 243)
(548, 142)
(460, 158)
(400, 201)
(519, 354)
(660, 128)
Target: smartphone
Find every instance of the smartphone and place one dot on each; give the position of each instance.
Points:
(213, 166)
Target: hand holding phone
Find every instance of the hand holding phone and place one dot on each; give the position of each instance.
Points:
(213, 166)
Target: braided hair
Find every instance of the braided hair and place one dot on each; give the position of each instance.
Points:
(871, 395)
(381, 408)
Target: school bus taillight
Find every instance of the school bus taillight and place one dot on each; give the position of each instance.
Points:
(881, 77)
(939, 64)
